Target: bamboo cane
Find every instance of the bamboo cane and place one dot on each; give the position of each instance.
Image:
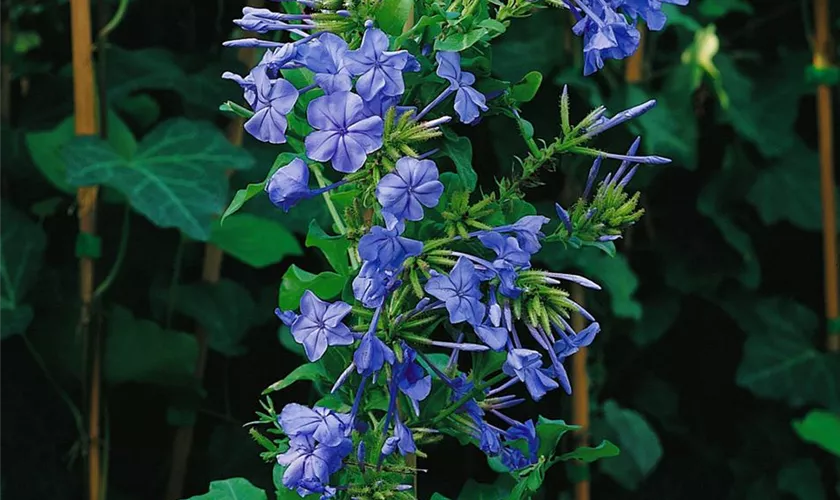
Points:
(84, 103)
(580, 392)
(822, 56)
(635, 63)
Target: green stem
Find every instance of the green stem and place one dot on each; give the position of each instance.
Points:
(115, 268)
(339, 223)
(115, 20)
(74, 410)
(477, 390)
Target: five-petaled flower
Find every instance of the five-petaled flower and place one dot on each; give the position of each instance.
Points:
(379, 70)
(460, 292)
(526, 365)
(326, 58)
(344, 133)
(309, 464)
(320, 325)
(404, 192)
(386, 249)
(272, 101)
(468, 101)
(325, 425)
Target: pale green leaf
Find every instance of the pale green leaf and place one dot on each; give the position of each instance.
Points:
(549, 432)
(255, 241)
(334, 248)
(236, 488)
(309, 371)
(458, 42)
(295, 281)
(821, 428)
(589, 454)
(391, 15)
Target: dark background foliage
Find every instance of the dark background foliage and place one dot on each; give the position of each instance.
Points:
(711, 340)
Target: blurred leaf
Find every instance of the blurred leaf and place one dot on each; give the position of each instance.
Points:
(802, 480)
(45, 148)
(176, 179)
(641, 449)
(21, 254)
(232, 489)
(780, 361)
(309, 371)
(714, 9)
(295, 281)
(549, 432)
(146, 69)
(391, 15)
(143, 108)
(138, 350)
(526, 89)
(821, 428)
(335, 248)
(459, 150)
(589, 454)
(529, 44)
(253, 240)
(284, 335)
(473, 490)
(670, 128)
(658, 315)
(223, 309)
(25, 41)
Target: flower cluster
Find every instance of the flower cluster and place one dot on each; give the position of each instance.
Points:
(430, 270)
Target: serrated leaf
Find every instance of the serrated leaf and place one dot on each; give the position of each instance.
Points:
(821, 428)
(253, 240)
(176, 178)
(309, 371)
(223, 309)
(138, 350)
(21, 254)
(334, 248)
(232, 489)
(550, 432)
(45, 148)
(589, 454)
(640, 444)
(295, 281)
(458, 42)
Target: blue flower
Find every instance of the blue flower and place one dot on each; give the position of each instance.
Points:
(514, 459)
(411, 379)
(649, 10)
(606, 34)
(507, 250)
(379, 71)
(372, 354)
(460, 292)
(309, 465)
(402, 440)
(461, 387)
(570, 345)
(264, 20)
(325, 57)
(325, 425)
(273, 100)
(386, 249)
(494, 336)
(489, 441)
(526, 365)
(289, 185)
(373, 284)
(319, 325)
(404, 192)
(344, 133)
(468, 101)
(527, 431)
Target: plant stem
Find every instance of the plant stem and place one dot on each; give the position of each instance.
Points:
(115, 268)
(822, 51)
(339, 222)
(477, 390)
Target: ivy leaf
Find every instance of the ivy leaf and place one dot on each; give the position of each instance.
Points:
(642, 449)
(138, 350)
(176, 178)
(549, 432)
(295, 281)
(459, 150)
(222, 309)
(21, 253)
(391, 15)
(821, 428)
(45, 148)
(801, 479)
(458, 42)
(130, 70)
(310, 371)
(335, 248)
(780, 361)
(589, 454)
(236, 488)
(255, 241)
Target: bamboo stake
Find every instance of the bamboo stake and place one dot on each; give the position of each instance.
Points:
(210, 273)
(635, 63)
(84, 102)
(822, 55)
(580, 392)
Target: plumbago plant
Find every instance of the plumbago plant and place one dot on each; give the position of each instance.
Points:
(433, 320)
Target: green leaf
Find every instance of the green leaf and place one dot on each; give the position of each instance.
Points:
(550, 431)
(821, 428)
(801, 479)
(335, 248)
(780, 361)
(640, 444)
(589, 454)
(138, 350)
(223, 309)
(438, 496)
(658, 315)
(526, 89)
(143, 108)
(284, 335)
(457, 42)
(253, 240)
(239, 199)
(670, 128)
(45, 148)
(459, 150)
(789, 190)
(391, 15)
(176, 179)
(128, 71)
(714, 9)
(21, 254)
(309, 371)
(236, 488)
(295, 281)
(473, 490)
(493, 25)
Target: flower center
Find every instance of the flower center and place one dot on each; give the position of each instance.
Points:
(342, 130)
